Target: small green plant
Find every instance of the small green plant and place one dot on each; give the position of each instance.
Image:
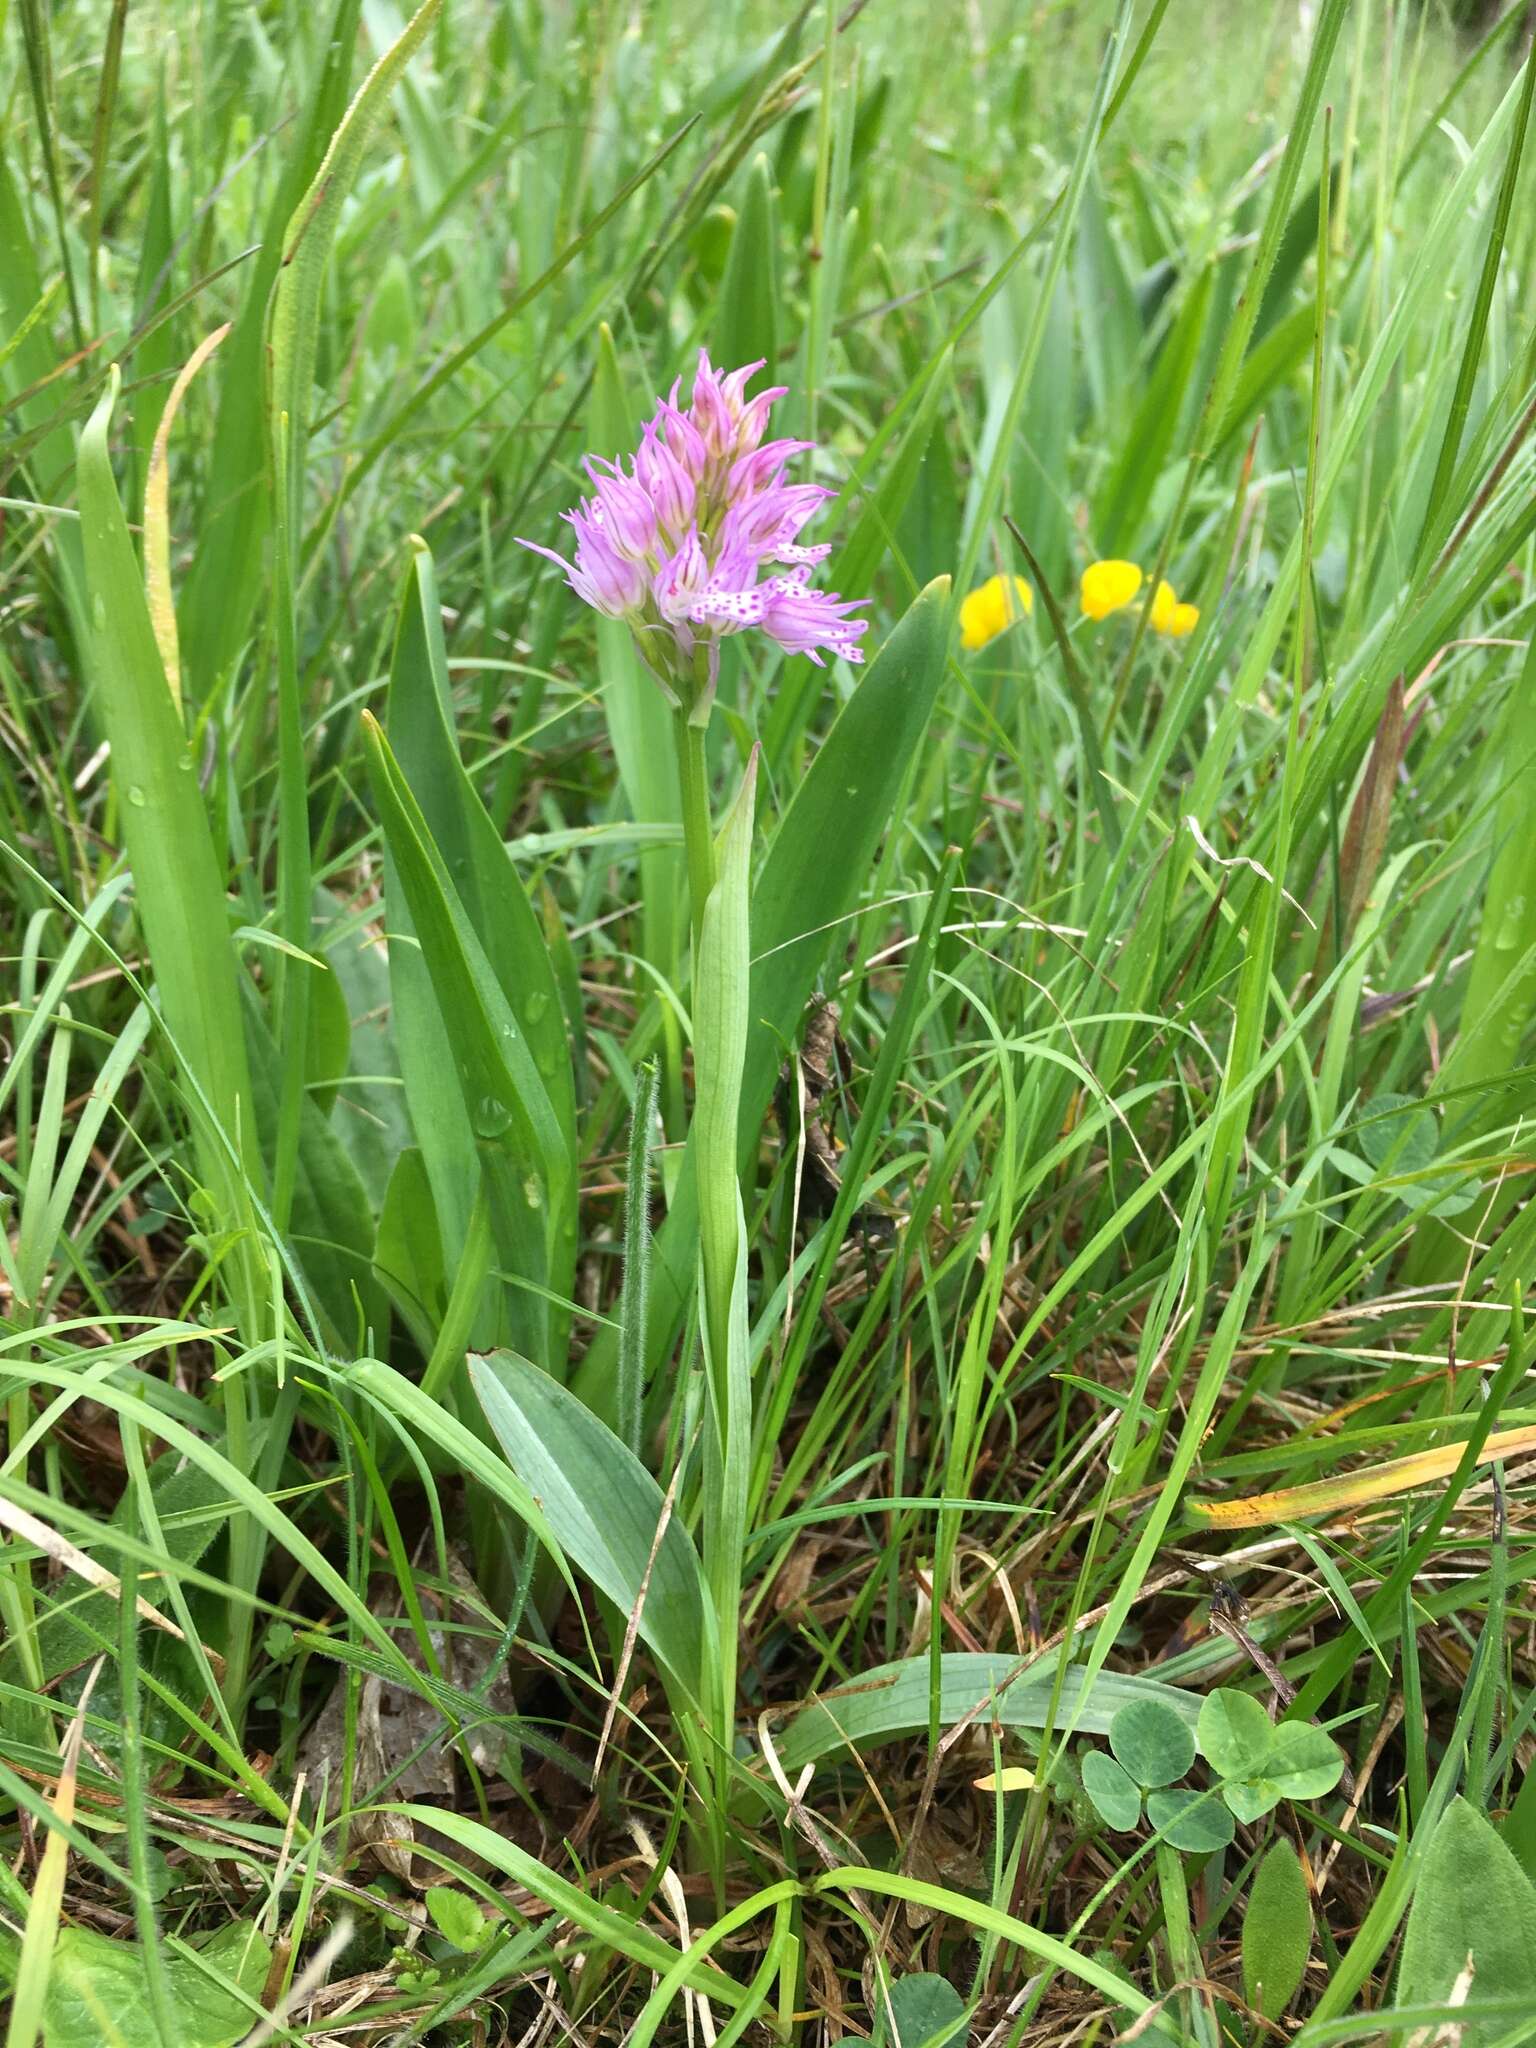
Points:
(1260, 1762)
(411, 1973)
(1400, 1138)
(1257, 1764)
(457, 1918)
(1152, 1746)
(926, 2011)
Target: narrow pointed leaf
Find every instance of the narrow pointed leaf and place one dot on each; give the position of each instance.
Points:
(603, 1508)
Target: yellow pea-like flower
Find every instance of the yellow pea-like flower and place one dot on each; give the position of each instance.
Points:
(999, 603)
(1107, 586)
(1170, 616)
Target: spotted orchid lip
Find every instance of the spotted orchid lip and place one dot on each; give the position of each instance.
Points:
(676, 542)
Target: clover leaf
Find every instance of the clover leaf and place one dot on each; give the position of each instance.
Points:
(1196, 1821)
(1153, 1743)
(1259, 1763)
(1400, 1135)
(1234, 1732)
(1116, 1796)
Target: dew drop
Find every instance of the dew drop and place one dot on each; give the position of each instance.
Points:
(136, 796)
(491, 1116)
(535, 1006)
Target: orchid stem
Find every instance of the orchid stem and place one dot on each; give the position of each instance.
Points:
(698, 833)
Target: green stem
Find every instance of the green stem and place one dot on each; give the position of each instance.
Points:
(247, 1545)
(1490, 1659)
(698, 834)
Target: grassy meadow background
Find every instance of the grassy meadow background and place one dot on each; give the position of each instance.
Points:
(448, 1531)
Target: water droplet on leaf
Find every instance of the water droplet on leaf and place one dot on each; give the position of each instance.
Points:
(491, 1117)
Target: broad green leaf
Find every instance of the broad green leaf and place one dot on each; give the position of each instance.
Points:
(927, 2010)
(373, 1120)
(893, 1700)
(1115, 1794)
(98, 1997)
(1297, 246)
(293, 345)
(1452, 1197)
(603, 1508)
(1154, 1744)
(1266, 367)
(1194, 1821)
(929, 534)
(1277, 1932)
(1472, 1902)
(1500, 990)
(457, 1918)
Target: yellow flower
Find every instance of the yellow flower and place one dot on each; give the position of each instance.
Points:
(1107, 586)
(1170, 616)
(998, 604)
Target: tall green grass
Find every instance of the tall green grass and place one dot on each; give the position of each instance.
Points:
(538, 1476)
